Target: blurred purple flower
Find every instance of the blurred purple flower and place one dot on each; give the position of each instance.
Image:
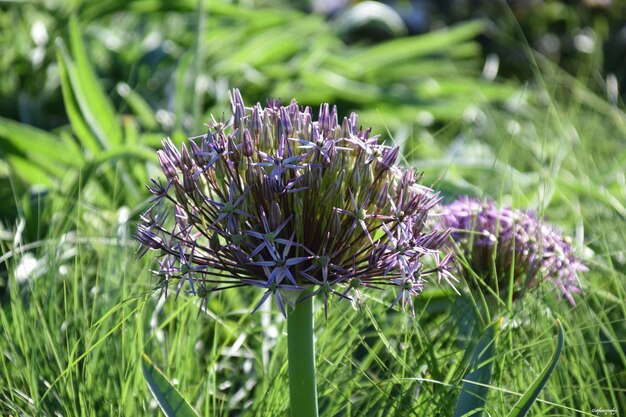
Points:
(497, 241)
(272, 199)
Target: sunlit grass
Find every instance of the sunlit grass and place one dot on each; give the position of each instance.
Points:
(77, 309)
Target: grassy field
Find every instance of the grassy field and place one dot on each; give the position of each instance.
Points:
(77, 309)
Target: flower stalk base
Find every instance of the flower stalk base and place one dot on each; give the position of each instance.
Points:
(302, 388)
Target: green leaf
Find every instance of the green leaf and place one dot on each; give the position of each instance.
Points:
(183, 88)
(138, 105)
(475, 389)
(31, 141)
(77, 121)
(255, 52)
(37, 156)
(31, 173)
(169, 399)
(387, 54)
(95, 106)
(522, 407)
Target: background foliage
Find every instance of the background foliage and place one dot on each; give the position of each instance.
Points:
(484, 107)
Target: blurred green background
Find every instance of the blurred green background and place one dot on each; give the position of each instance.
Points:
(518, 101)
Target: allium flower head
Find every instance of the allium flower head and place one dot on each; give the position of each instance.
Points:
(273, 199)
(494, 240)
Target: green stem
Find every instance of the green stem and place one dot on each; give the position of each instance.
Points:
(302, 388)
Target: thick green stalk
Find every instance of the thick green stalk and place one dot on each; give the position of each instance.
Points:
(302, 388)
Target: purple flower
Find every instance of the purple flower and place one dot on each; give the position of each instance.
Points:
(272, 199)
(491, 242)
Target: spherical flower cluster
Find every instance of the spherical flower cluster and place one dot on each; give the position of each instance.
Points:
(271, 198)
(493, 242)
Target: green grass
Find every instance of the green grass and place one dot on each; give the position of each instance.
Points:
(77, 309)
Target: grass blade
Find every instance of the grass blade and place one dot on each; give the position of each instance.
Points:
(169, 399)
(400, 50)
(138, 105)
(522, 407)
(94, 104)
(475, 389)
(36, 156)
(72, 108)
(37, 144)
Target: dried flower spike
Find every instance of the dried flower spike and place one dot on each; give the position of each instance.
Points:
(273, 199)
(514, 239)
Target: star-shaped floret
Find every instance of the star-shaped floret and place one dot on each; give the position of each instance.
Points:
(280, 163)
(228, 209)
(272, 288)
(269, 237)
(280, 263)
(182, 266)
(359, 214)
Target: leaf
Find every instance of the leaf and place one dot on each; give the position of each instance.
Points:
(475, 389)
(389, 53)
(138, 105)
(33, 173)
(255, 52)
(522, 407)
(183, 88)
(38, 144)
(77, 121)
(169, 399)
(37, 156)
(95, 106)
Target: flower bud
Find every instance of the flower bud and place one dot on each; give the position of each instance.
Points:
(189, 185)
(185, 158)
(238, 108)
(335, 224)
(248, 145)
(197, 154)
(382, 198)
(254, 175)
(355, 178)
(274, 218)
(346, 129)
(388, 159)
(167, 166)
(256, 122)
(235, 156)
(148, 238)
(333, 118)
(214, 242)
(305, 124)
(285, 127)
(324, 118)
(171, 151)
